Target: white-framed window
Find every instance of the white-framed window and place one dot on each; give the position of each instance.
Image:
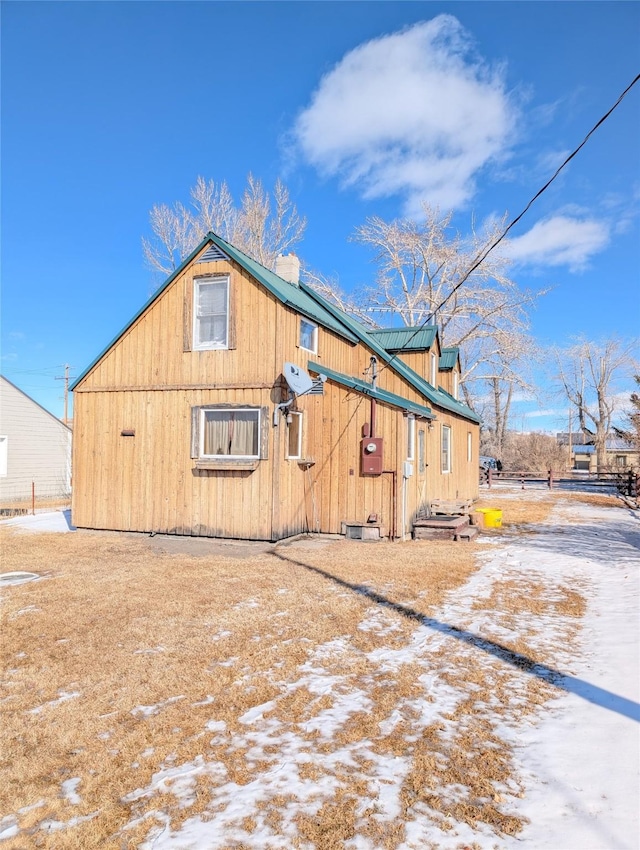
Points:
(446, 448)
(4, 456)
(308, 336)
(433, 368)
(411, 437)
(294, 435)
(229, 433)
(469, 446)
(211, 312)
(456, 379)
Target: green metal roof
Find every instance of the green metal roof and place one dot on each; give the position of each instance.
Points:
(448, 358)
(287, 293)
(367, 388)
(407, 339)
(306, 301)
(436, 396)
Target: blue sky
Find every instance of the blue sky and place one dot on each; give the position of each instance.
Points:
(110, 108)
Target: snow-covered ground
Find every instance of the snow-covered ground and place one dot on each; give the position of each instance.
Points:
(48, 521)
(576, 756)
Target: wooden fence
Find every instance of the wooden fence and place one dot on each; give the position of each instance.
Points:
(626, 482)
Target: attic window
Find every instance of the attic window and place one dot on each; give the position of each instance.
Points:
(211, 312)
(456, 378)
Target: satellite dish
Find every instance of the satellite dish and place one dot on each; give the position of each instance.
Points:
(299, 381)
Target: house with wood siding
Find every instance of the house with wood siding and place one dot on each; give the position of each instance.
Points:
(239, 403)
(35, 449)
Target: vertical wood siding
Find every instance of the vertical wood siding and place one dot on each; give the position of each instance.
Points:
(148, 383)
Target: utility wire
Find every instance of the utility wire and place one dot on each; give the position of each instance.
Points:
(481, 257)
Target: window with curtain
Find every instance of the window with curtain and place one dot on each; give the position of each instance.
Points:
(211, 312)
(446, 448)
(229, 433)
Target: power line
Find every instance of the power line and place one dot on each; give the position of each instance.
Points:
(481, 257)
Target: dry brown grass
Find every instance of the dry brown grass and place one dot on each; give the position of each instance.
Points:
(531, 509)
(116, 626)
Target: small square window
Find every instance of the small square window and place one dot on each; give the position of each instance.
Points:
(294, 435)
(308, 336)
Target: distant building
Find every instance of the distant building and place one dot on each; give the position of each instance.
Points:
(620, 455)
(35, 448)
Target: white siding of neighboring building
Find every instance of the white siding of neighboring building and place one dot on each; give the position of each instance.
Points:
(34, 445)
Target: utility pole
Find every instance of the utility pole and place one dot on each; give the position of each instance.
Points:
(66, 380)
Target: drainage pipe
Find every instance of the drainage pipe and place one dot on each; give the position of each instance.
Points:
(394, 486)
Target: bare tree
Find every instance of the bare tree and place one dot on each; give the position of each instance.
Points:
(420, 266)
(631, 420)
(263, 226)
(587, 374)
(533, 452)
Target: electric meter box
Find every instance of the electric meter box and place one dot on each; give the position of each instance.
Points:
(371, 455)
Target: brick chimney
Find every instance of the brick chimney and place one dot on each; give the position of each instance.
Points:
(288, 267)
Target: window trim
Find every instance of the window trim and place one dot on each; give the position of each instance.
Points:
(4, 455)
(445, 450)
(210, 278)
(299, 455)
(314, 335)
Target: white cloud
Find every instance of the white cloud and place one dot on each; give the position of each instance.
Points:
(561, 240)
(412, 113)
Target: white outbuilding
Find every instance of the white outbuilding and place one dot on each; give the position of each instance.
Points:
(35, 449)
